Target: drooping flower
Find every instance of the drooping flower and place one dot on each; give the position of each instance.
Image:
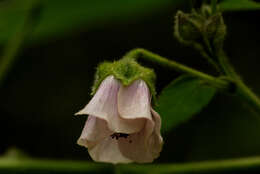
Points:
(121, 127)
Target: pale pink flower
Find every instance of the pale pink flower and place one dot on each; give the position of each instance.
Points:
(121, 126)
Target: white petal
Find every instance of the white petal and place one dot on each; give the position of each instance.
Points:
(136, 147)
(104, 102)
(157, 120)
(134, 101)
(104, 106)
(156, 141)
(108, 151)
(144, 146)
(95, 130)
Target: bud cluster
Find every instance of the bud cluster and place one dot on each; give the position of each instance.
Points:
(200, 29)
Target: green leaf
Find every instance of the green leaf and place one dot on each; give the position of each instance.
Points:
(57, 18)
(182, 99)
(238, 5)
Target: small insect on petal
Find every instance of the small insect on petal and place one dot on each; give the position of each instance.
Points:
(119, 135)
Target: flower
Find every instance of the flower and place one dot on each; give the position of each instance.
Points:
(121, 126)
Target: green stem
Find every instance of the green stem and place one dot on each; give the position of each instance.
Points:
(248, 95)
(196, 45)
(243, 164)
(145, 54)
(209, 60)
(226, 66)
(8, 165)
(243, 91)
(14, 44)
(53, 166)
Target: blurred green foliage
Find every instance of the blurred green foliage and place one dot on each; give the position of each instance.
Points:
(57, 18)
(238, 5)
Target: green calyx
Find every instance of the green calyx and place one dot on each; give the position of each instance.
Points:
(127, 70)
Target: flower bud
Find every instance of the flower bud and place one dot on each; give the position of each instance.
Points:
(202, 29)
(187, 27)
(206, 10)
(215, 30)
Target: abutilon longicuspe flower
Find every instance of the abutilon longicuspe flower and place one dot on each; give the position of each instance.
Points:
(121, 127)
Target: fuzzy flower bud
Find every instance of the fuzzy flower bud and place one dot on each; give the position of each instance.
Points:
(215, 30)
(187, 29)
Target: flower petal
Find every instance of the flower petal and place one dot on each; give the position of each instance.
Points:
(134, 101)
(95, 130)
(104, 101)
(146, 145)
(104, 106)
(156, 141)
(157, 120)
(108, 151)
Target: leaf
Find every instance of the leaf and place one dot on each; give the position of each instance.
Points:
(57, 18)
(238, 5)
(182, 99)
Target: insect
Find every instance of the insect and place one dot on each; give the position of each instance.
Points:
(119, 135)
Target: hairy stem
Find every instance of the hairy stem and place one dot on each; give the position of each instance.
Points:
(145, 54)
(242, 89)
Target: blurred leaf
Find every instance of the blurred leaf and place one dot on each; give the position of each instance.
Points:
(15, 153)
(59, 17)
(182, 99)
(238, 5)
(19, 34)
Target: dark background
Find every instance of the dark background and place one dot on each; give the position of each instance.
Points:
(52, 78)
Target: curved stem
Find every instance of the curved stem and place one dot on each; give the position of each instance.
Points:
(145, 54)
(196, 45)
(209, 60)
(248, 95)
(235, 165)
(242, 89)
(10, 165)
